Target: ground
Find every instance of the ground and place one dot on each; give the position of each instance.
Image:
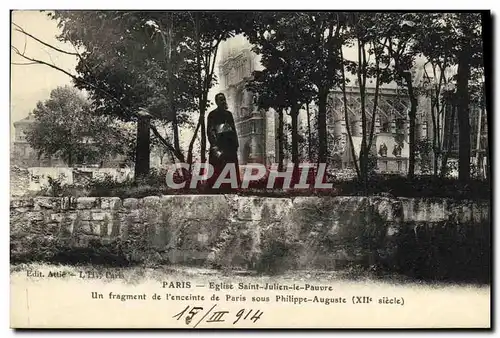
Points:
(139, 274)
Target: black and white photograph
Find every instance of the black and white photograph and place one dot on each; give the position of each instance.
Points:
(250, 169)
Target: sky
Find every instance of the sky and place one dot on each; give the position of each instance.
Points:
(33, 83)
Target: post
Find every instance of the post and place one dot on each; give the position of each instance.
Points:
(142, 148)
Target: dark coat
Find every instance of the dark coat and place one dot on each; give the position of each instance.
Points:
(223, 138)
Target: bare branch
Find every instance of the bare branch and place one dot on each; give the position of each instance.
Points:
(21, 30)
(24, 63)
(50, 56)
(126, 110)
(25, 43)
(16, 50)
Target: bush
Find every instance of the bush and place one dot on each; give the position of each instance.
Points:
(155, 185)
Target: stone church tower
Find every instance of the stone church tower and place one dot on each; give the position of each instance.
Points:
(256, 127)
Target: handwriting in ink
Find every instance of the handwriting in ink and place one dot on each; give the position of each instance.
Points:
(220, 316)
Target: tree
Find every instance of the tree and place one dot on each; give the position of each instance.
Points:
(111, 67)
(467, 27)
(203, 33)
(321, 42)
(147, 67)
(439, 49)
(128, 72)
(311, 40)
(403, 32)
(65, 127)
(365, 31)
(169, 59)
(284, 84)
(455, 39)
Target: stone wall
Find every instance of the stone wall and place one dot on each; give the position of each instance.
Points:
(39, 176)
(425, 238)
(19, 181)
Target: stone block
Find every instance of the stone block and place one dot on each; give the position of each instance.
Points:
(198, 207)
(112, 203)
(85, 227)
(21, 202)
(131, 203)
(258, 208)
(85, 215)
(466, 212)
(35, 216)
(70, 215)
(105, 202)
(66, 229)
(90, 227)
(41, 203)
(99, 216)
(21, 210)
(115, 203)
(386, 208)
(151, 202)
(57, 217)
(86, 202)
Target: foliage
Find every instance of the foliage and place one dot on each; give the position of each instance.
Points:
(423, 149)
(300, 53)
(55, 186)
(366, 32)
(66, 127)
(283, 83)
(162, 62)
(122, 63)
(423, 186)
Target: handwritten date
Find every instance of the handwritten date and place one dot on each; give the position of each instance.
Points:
(216, 316)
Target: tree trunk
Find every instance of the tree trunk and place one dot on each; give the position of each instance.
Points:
(451, 127)
(346, 116)
(70, 158)
(201, 93)
(322, 134)
(363, 153)
(281, 148)
(463, 114)
(412, 116)
(175, 129)
(435, 134)
(142, 147)
(487, 125)
(309, 152)
(172, 111)
(295, 134)
(294, 112)
(191, 145)
(203, 141)
(171, 114)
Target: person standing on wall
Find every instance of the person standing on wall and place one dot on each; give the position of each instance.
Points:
(223, 138)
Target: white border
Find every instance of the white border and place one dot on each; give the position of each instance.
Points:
(212, 4)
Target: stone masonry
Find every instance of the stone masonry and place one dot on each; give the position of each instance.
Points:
(268, 234)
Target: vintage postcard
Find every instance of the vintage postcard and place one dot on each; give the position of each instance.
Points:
(250, 169)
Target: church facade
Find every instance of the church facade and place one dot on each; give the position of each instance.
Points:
(257, 127)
